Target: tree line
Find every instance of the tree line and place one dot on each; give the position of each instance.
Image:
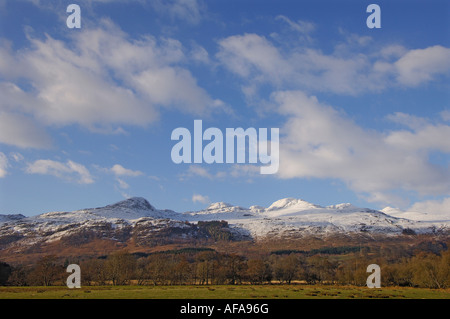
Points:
(206, 266)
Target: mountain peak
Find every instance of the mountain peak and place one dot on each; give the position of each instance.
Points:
(133, 203)
(290, 202)
(218, 205)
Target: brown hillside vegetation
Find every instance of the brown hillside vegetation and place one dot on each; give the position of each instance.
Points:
(407, 260)
(101, 247)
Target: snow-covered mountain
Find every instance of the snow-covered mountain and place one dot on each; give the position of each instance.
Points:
(296, 217)
(112, 221)
(10, 218)
(418, 216)
(137, 218)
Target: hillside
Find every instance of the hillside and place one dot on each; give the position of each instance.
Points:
(136, 223)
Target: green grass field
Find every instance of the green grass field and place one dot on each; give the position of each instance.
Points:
(221, 292)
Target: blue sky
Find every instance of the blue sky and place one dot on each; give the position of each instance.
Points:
(86, 114)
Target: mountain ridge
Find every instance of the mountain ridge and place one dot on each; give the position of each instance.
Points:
(136, 219)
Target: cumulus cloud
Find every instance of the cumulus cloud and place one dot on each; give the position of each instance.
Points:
(69, 171)
(427, 137)
(300, 26)
(122, 184)
(119, 170)
(434, 207)
(101, 79)
(321, 142)
(422, 65)
(120, 174)
(17, 157)
(235, 171)
(195, 170)
(197, 198)
(190, 11)
(408, 120)
(250, 53)
(3, 165)
(199, 54)
(22, 131)
(445, 115)
(350, 69)
(259, 61)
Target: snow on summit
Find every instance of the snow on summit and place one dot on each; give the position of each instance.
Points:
(284, 217)
(291, 203)
(129, 209)
(138, 203)
(418, 216)
(295, 216)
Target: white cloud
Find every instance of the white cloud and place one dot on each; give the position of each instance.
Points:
(445, 115)
(175, 87)
(22, 131)
(197, 198)
(247, 170)
(422, 65)
(435, 207)
(250, 53)
(237, 170)
(3, 165)
(299, 26)
(259, 61)
(119, 170)
(199, 54)
(123, 184)
(17, 157)
(125, 195)
(195, 170)
(408, 120)
(427, 137)
(184, 10)
(423, 134)
(69, 171)
(321, 142)
(120, 173)
(101, 79)
(393, 51)
(350, 69)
